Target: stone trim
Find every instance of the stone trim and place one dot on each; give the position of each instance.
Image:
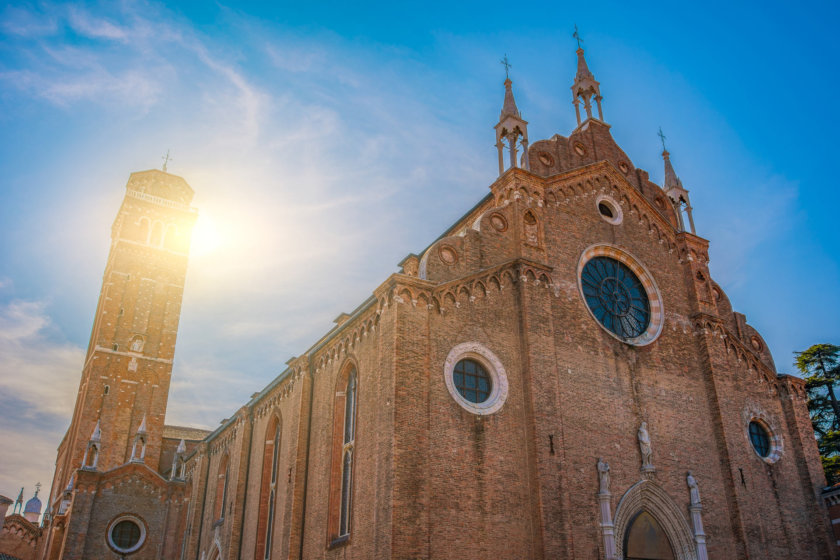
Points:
(134, 519)
(648, 496)
(657, 314)
(753, 413)
(481, 354)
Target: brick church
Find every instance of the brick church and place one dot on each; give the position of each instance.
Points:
(556, 376)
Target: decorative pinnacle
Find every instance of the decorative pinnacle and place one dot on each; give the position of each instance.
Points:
(576, 35)
(662, 137)
(142, 428)
(166, 159)
(37, 488)
(504, 62)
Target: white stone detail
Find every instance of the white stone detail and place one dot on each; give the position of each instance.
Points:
(481, 354)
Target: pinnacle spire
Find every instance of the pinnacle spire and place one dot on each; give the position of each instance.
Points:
(585, 87)
(512, 129)
(671, 179)
(142, 429)
(675, 190)
(509, 108)
(96, 436)
(182, 447)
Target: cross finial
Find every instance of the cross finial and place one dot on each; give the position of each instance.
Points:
(662, 137)
(504, 62)
(576, 35)
(37, 488)
(166, 159)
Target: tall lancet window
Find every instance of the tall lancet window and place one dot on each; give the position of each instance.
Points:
(222, 487)
(268, 490)
(344, 440)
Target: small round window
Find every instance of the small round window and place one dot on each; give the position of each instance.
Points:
(472, 380)
(609, 209)
(475, 378)
(126, 534)
(760, 439)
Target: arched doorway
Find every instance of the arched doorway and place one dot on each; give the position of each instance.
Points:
(646, 540)
(648, 520)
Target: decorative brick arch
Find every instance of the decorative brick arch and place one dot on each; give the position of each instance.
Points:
(648, 496)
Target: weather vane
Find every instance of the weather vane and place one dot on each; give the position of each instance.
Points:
(166, 159)
(576, 35)
(504, 62)
(662, 137)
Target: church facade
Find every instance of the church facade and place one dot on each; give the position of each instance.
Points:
(556, 376)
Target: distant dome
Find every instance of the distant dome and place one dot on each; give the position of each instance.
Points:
(33, 505)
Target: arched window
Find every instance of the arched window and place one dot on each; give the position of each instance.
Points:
(222, 487)
(344, 440)
(268, 490)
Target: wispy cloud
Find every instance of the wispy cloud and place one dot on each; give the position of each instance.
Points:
(41, 373)
(38, 383)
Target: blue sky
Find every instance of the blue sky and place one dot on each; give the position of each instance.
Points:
(327, 141)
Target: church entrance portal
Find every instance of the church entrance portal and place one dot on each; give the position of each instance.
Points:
(646, 540)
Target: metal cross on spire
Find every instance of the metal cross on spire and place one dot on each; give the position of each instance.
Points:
(662, 137)
(504, 62)
(37, 488)
(166, 159)
(576, 35)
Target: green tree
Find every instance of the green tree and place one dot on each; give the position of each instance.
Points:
(820, 364)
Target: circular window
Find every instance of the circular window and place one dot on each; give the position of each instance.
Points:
(126, 534)
(472, 380)
(616, 297)
(448, 255)
(620, 294)
(475, 378)
(760, 439)
(609, 209)
(498, 222)
(546, 159)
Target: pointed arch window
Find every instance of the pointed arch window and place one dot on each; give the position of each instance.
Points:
(268, 490)
(222, 487)
(344, 443)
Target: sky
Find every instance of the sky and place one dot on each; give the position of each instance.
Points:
(326, 141)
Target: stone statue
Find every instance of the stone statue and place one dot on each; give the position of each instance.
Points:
(644, 446)
(693, 489)
(603, 476)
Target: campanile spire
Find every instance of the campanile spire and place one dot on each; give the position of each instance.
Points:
(512, 129)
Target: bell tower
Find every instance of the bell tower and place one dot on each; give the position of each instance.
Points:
(125, 378)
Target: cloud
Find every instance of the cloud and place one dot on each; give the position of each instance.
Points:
(42, 374)
(25, 23)
(93, 27)
(39, 379)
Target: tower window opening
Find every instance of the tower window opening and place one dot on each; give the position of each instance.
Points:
(107, 389)
(605, 210)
